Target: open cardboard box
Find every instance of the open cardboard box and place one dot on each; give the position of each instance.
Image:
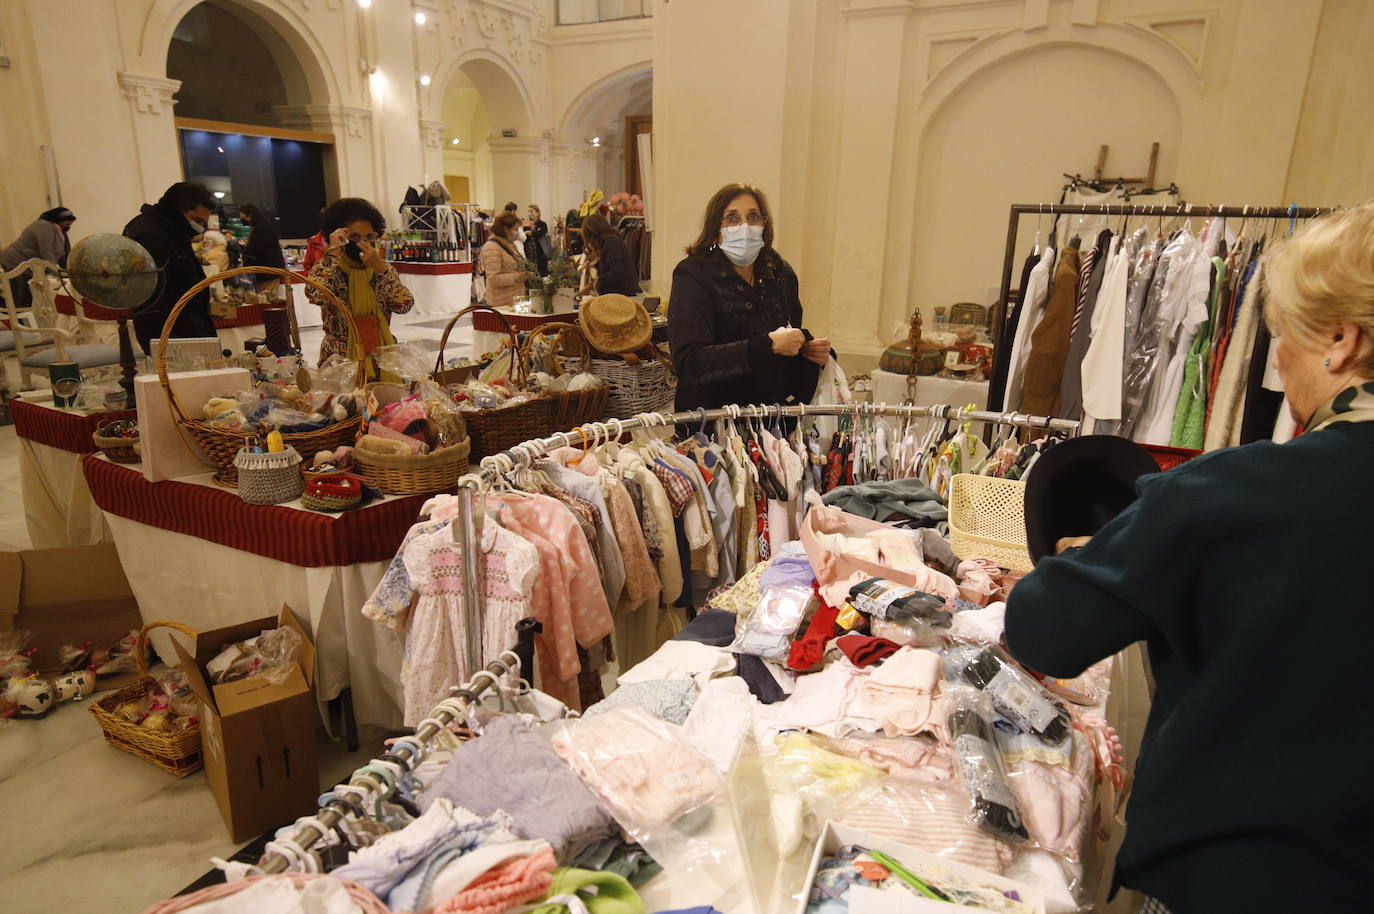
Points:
(68, 595)
(864, 900)
(257, 736)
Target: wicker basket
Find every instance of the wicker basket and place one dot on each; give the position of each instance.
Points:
(495, 430)
(416, 474)
(269, 479)
(177, 752)
(119, 450)
(569, 407)
(987, 519)
(222, 445)
(648, 387)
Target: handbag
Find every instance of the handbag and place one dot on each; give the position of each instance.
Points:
(546, 246)
(369, 334)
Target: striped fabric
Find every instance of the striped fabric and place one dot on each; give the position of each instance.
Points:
(935, 819)
(65, 431)
(1084, 273)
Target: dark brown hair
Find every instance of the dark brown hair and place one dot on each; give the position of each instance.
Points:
(504, 223)
(715, 212)
(596, 228)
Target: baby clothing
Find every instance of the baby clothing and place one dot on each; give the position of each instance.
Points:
(901, 693)
(682, 660)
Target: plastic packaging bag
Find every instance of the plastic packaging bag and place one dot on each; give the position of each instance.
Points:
(979, 761)
(889, 600)
(774, 623)
(1013, 692)
(912, 633)
(407, 361)
(271, 654)
(14, 659)
(336, 375)
(445, 425)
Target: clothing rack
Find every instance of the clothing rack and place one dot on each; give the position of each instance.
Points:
(409, 751)
(1001, 309)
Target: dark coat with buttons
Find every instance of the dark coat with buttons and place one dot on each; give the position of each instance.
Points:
(718, 328)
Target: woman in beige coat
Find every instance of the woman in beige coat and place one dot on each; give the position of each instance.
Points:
(501, 264)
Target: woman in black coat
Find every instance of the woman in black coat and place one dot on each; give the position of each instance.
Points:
(263, 248)
(735, 315)
(536, 240)
(615, 268)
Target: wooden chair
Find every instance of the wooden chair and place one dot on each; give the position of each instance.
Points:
(36, 340)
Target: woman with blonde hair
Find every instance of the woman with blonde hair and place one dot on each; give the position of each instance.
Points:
(1242, 571)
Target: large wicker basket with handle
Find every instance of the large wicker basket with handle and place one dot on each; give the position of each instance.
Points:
(176, 751)
(222, 445)
(495, 430)
(569, 407)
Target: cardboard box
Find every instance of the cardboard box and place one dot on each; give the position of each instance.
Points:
(68, 595)
(863, 900)
(169, 452)
(258, 737)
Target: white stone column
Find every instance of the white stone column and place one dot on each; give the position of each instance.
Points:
(154, 131)
(520, 168)
(432, 145)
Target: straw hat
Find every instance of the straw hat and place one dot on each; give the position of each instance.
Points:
(615, 323)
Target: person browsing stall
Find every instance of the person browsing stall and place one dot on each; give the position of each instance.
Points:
(166, 229)
(735, 313)
(607, 251)
(1243, 572)
(355, 271)
(263, 248)
(44, 238)
(501, 263)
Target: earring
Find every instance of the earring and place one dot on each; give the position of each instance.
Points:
(1328, 364)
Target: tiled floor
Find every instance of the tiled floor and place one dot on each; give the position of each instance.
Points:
(93, 827)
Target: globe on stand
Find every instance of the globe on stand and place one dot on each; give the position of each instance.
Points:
(116, 273)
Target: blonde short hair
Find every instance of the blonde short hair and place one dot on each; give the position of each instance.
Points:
(1323, 276)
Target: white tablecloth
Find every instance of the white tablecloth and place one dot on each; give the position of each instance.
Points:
(208, 586)
(889, 387)
(57, 503)
(443, 296)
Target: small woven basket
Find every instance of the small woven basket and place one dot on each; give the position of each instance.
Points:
(338, 501)
(222, 445)
(987, 519)
(177, 752)
(495, 430)
(569, 407)
(269, 479)
(416, 474)
(119, 450)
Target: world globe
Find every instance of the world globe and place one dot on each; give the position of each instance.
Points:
(112, 271)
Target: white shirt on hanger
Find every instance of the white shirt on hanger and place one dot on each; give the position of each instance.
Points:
(1104, 361)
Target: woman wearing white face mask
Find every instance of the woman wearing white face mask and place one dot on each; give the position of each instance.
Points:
(735, 315)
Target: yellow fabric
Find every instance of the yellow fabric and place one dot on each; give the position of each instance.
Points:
(589, 206)
(362, 301)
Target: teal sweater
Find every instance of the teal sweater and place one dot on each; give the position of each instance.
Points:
(1248, 573)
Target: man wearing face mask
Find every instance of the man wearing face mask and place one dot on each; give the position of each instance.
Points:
(735, 314)
(166, 229)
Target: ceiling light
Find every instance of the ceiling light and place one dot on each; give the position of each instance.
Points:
(424, 80)
(364, 3)
(219, 195)
(455, 141)
(220, 148)
(419, 18)
(596, 141)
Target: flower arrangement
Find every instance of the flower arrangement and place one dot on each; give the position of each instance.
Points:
(623, 204)
(562, 275)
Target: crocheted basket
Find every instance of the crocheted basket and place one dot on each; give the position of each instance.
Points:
(987, 519)
(269, 479)
(332, 492)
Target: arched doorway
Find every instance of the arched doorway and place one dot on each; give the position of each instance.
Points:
(490, 148)
(609, 116)
(467, 152)
(238, 74)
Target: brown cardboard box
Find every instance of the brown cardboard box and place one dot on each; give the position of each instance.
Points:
(258, 738)
(67, 596)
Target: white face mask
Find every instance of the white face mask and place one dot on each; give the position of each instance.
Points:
(742, 243)
(198, 226)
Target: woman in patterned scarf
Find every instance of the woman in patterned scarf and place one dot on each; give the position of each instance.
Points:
(354, 270)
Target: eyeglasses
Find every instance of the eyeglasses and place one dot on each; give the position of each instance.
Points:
(733, 219)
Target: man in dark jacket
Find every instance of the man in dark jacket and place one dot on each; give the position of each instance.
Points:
(166, 229)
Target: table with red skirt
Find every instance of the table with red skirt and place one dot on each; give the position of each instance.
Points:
(198, 554)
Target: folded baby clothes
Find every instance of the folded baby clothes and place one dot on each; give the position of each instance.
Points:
(453, 874)
(900, 694)
(645, 769)
(513, 768)
(505, 886)
(666, 699)
(585, 890)
(682, 660)
(865, 650)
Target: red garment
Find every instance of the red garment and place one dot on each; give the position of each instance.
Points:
(314, 251)
(866, 650)
(808, 651)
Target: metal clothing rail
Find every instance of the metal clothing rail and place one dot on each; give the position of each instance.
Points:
(1001, 309)
(376, 780)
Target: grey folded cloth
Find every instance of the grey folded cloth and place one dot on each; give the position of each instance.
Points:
(512, 767)
(882, 501)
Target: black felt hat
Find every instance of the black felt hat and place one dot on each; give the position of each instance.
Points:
(1079, 485)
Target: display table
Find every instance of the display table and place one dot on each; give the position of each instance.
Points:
(58, 509)
(199, 555)
(488, 333)
(890, 387)
(232, 332)
(439, 288)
